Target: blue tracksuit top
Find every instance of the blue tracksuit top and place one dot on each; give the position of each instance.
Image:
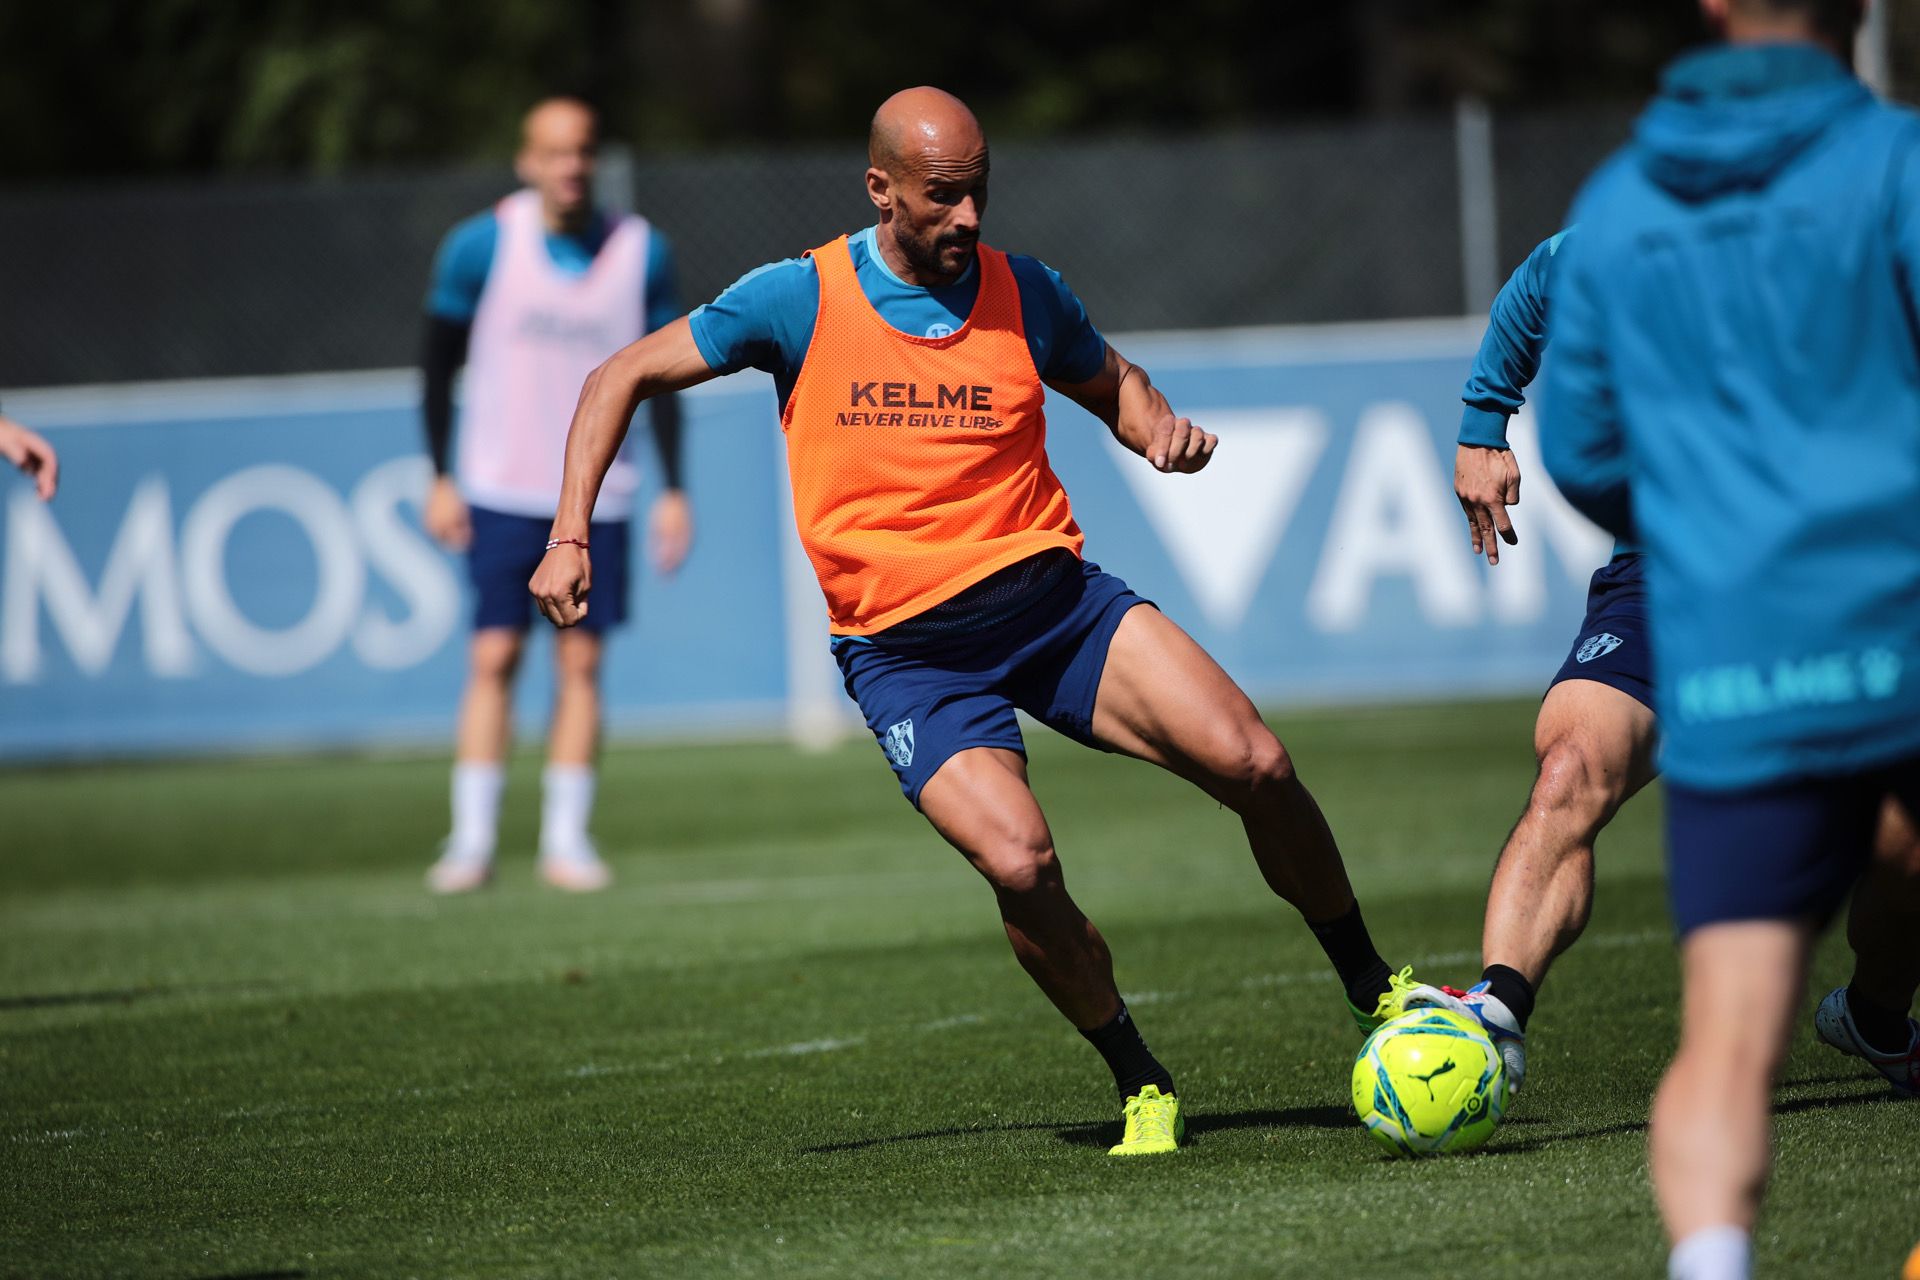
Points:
(1510, 353)
(1736, 381)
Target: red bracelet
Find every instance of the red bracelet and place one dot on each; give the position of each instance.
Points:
(566, 542)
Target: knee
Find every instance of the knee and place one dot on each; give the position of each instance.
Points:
(1023, 865)
(1254, 763)
(495, 658)
(1574, 783)
(577, 663)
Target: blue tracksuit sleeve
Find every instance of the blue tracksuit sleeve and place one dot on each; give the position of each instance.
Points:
(1510, 351)
(1903, 223)
(1582, 438)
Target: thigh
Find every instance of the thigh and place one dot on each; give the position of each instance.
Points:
(1164, 699)
(612, 575)
(979, 801)
(502, 556)
(1783, 852)
(922, 714)
(1614, 733)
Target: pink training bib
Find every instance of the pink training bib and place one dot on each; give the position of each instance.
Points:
(537, 334)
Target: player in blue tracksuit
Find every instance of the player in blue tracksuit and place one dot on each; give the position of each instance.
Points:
(1736, 384)
(1595, 735)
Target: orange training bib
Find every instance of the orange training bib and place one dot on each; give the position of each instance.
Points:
(919, 465)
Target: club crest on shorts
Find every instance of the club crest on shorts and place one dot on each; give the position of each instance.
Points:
(1595, 646)
(898, 744)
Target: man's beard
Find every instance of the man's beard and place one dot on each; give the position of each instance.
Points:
(925, 256)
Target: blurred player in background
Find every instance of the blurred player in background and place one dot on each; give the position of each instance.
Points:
(531, 295)
(1737, 383)
(33, 456)
(912, 362)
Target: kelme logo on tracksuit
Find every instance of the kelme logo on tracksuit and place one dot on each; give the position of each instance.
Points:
(898, 744)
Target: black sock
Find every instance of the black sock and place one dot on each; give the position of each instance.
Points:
(1511, 988)
(1884, 1030)
(1362, 972)
(1133, 1064)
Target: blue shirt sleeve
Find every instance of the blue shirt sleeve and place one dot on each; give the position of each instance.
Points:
(1903, 222)
(764, 320)
(460, 268)
(1583, 440)
(1510, 352)
(1065, 345)
(662, 304)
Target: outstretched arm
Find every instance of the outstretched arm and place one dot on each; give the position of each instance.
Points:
(665, 361)
(1485, 477)
(1124, 397)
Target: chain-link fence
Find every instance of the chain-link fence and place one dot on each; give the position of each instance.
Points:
(1310, 224)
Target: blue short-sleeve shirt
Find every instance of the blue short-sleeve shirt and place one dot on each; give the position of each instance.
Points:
(765, 319)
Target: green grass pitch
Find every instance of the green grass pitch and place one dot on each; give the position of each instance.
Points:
(237, 1038)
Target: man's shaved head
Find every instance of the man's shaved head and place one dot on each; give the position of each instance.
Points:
(921, 124)
(557, 116)
(558, 140)
(928, 178)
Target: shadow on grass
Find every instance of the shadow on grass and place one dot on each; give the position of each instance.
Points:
(1866, 1091)
(1104, 1133)
(256, 1275)
(123, 995)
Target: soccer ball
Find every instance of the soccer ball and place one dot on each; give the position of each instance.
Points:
(1427, 1081)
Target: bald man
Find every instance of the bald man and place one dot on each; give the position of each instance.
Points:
(911, 362)
(531, 295)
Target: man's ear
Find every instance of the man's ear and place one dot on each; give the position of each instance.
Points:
(880, 189)
(521, 169)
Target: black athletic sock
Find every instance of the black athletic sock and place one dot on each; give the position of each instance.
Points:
(1884, 1030)
(1133, 1064)
(1511, 988)
(1362, 972)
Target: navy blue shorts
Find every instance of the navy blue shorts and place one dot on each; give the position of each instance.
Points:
(927, 701)
(1614, 647)
(505, 551)
(1784, 851)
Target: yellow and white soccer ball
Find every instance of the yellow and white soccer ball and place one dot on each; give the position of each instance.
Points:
(1429, 1081)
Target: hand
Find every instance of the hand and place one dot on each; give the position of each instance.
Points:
(670, 530)
(1487, 482)
(561, 583)
(446, 515)
(32, 454)
(1175, 444)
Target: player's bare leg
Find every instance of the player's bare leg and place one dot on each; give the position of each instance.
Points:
(979, 801)
(1163, 699)
(574, 736)
(1710, 1133)
(486, 707)
(1594, 745)
(1595, 749)
(479, 770)
(568, 859)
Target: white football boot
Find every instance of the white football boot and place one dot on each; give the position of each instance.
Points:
(459, 870)
(1491, 1012)
(576, 870)
(1833, 1023)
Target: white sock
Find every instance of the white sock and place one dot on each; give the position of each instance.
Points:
(565, 808)
(476, 809)
(1712, 1253)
